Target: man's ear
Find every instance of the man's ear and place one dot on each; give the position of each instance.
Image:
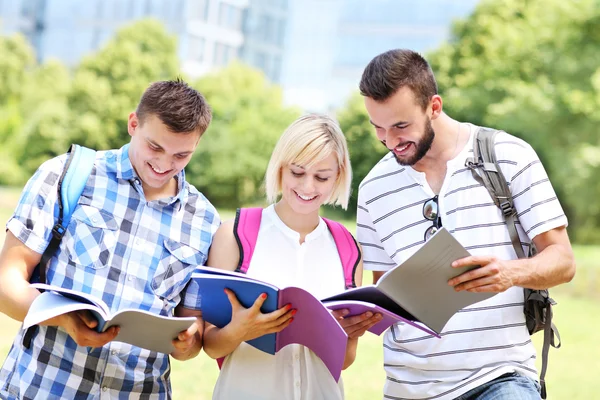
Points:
(132, 123)
(436, 106)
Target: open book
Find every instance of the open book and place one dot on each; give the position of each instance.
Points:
(137, 327)
(314, 326)
(416, 291)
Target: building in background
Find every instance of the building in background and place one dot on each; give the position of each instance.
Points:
(330, 42)
(210, 33)
(316, 49)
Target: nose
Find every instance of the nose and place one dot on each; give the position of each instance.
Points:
(390, 139)
(308, 185)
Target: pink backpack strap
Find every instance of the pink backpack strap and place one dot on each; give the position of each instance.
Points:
(347, 249)
(245, 230)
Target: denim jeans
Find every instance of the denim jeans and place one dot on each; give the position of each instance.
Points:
(506, 387)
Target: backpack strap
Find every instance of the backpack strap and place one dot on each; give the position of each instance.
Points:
(347, 249)
(484, 158)
(245, 230)
(486, 171)
(72, 181)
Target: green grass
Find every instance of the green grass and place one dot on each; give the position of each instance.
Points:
(572, 368)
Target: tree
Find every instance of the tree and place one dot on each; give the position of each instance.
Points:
(16, 60)
(532, 68)
(365, 149)
(107, 85)
(248, 118)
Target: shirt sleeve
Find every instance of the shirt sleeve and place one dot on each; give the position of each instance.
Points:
(36, 210)
(191, 293)
(535, 200)
(375, 258)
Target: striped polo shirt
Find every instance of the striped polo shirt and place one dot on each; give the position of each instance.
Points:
(489, 338)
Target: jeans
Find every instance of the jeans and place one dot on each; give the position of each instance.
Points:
(506, 387)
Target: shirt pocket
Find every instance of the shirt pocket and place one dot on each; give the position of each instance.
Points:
(93, 237)
(176, 265)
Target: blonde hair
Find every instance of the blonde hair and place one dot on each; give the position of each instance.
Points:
(307, 141)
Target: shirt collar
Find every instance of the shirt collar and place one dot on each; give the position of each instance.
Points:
(124, 170)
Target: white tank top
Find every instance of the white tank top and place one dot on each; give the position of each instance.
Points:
(294, 372)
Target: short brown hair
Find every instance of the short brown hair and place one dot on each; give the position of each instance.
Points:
(181, 108)
(394, 69)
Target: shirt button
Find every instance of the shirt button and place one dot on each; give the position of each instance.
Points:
(297, 384)
(104, 388)
(113, 352)
(297, 357)
(137, 181)
(130, 278)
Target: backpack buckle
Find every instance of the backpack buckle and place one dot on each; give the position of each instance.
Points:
(506, 207)
(58, 231)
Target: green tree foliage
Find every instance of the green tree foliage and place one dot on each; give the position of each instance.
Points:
(107, 85)
(248, 118)
(532, 68)
(365, 149)
(16, 61)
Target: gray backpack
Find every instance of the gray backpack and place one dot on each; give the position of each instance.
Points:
(538, 304)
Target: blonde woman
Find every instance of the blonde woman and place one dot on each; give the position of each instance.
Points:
(309, 167)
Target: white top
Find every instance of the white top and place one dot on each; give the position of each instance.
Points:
(294, 372)
(489, 338)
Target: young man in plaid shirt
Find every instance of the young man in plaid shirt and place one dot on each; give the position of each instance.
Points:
(138, 231)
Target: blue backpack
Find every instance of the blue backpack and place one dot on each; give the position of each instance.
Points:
(72, 181)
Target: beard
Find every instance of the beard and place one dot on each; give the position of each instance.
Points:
(421, 147)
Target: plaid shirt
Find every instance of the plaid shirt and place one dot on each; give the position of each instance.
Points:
(131, 253)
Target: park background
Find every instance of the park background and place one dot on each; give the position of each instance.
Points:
(529, 67)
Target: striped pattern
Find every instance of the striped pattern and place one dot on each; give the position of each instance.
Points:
(121, 248)
(489, 338)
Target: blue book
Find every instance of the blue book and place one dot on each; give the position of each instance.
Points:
(314, 326)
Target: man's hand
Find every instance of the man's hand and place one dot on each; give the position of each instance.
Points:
(493, 275)
(189, 342)
(81, 326)
(356, 325)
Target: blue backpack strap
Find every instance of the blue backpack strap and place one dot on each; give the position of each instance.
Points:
(347, 249)
(245, 230)
(77, 169)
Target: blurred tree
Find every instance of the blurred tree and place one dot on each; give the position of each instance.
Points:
(107, 85)
(248, 118)
(365, 149)
(16, 60)
(532, 68)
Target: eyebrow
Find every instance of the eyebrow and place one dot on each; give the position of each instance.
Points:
(396, 124)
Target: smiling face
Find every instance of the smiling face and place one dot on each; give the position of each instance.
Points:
(157, 154)
(304, 190)
(402, 125)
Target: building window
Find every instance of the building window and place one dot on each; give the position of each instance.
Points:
(230, 16)
(223, 54)
(199, 9)
(196, 47)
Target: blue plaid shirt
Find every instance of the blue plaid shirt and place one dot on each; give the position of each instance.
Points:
(130, 252)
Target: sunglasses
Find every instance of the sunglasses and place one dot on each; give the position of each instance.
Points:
(431, 212)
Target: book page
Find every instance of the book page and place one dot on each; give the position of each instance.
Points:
(420, 284)
(76, 295)
(360, 307)
(50, 304)
(148, 330)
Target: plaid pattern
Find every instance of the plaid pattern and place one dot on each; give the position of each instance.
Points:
(121, 248)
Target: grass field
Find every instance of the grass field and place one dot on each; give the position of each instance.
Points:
(572, 371)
